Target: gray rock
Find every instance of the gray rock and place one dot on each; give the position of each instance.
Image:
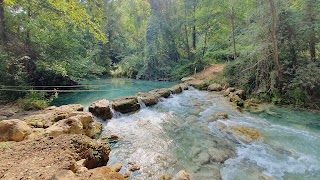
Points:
(147, 98)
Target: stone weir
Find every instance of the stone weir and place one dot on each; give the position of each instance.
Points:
(104, 109)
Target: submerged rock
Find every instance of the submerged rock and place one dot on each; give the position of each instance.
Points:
(126, 104)
(147, 98)
(101, 109)
(14, 130)
(182, 175)
(217, 116)
(176, 89)
(220, 155)
(164, 92)
(215, 87)
(244, 134)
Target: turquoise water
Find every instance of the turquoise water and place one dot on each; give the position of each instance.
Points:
(108, 89)
(175, 135)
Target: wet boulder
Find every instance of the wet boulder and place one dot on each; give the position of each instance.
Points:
(14, 130)
(217, 116)
(164, 92)
(101, 109)
(198, 84)
(215, 87)
(240, 93)
(147, 98)
(220, 155)
(182, 175)
(184, 86)
(229, 90)
(126, 104)
(176, 89)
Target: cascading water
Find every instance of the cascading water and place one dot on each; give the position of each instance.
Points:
(175, 135)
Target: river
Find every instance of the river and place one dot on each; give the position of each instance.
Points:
(175, 135)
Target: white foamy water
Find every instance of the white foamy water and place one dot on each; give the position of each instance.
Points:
(166, 138)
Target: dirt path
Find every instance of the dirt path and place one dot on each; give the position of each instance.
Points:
(209, 73)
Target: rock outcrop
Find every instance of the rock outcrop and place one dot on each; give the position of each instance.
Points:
(14, 130)
(164, 92)
(79, 123)
(147, 98)
(176, 89)
(101, 109)
(51, 115)
(215, 87)
(126, 104)
(186, 79)
(184, 86)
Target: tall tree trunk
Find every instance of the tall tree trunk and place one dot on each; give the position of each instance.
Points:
(274, 38)
(194, 36)
(187, 40)
(3, 27)
(312, 33)
(233, 33)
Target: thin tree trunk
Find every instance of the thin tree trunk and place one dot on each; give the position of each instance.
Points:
(194, 36)
(3, 27)
(187, 40)
(274, 38)
(312, 34)
(233, 31)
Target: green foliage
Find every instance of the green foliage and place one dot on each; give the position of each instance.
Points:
(33, 101)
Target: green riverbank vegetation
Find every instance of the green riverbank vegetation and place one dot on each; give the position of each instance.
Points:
(270, 48)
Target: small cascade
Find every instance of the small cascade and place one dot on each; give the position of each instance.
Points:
(115, 114)
(141, 103)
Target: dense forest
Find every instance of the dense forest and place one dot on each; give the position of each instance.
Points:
(270, 48)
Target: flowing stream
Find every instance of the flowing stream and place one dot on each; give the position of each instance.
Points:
(175, 135)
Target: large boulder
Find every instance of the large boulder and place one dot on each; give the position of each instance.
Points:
(215, 87)
(176, 89)
(164, 92)
(126, 104)
(101, 109)
(147, 98)
(79, 123)
(14, 130)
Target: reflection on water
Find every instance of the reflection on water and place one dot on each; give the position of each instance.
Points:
(108, 89)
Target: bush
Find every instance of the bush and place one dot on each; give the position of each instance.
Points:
(33, 101)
